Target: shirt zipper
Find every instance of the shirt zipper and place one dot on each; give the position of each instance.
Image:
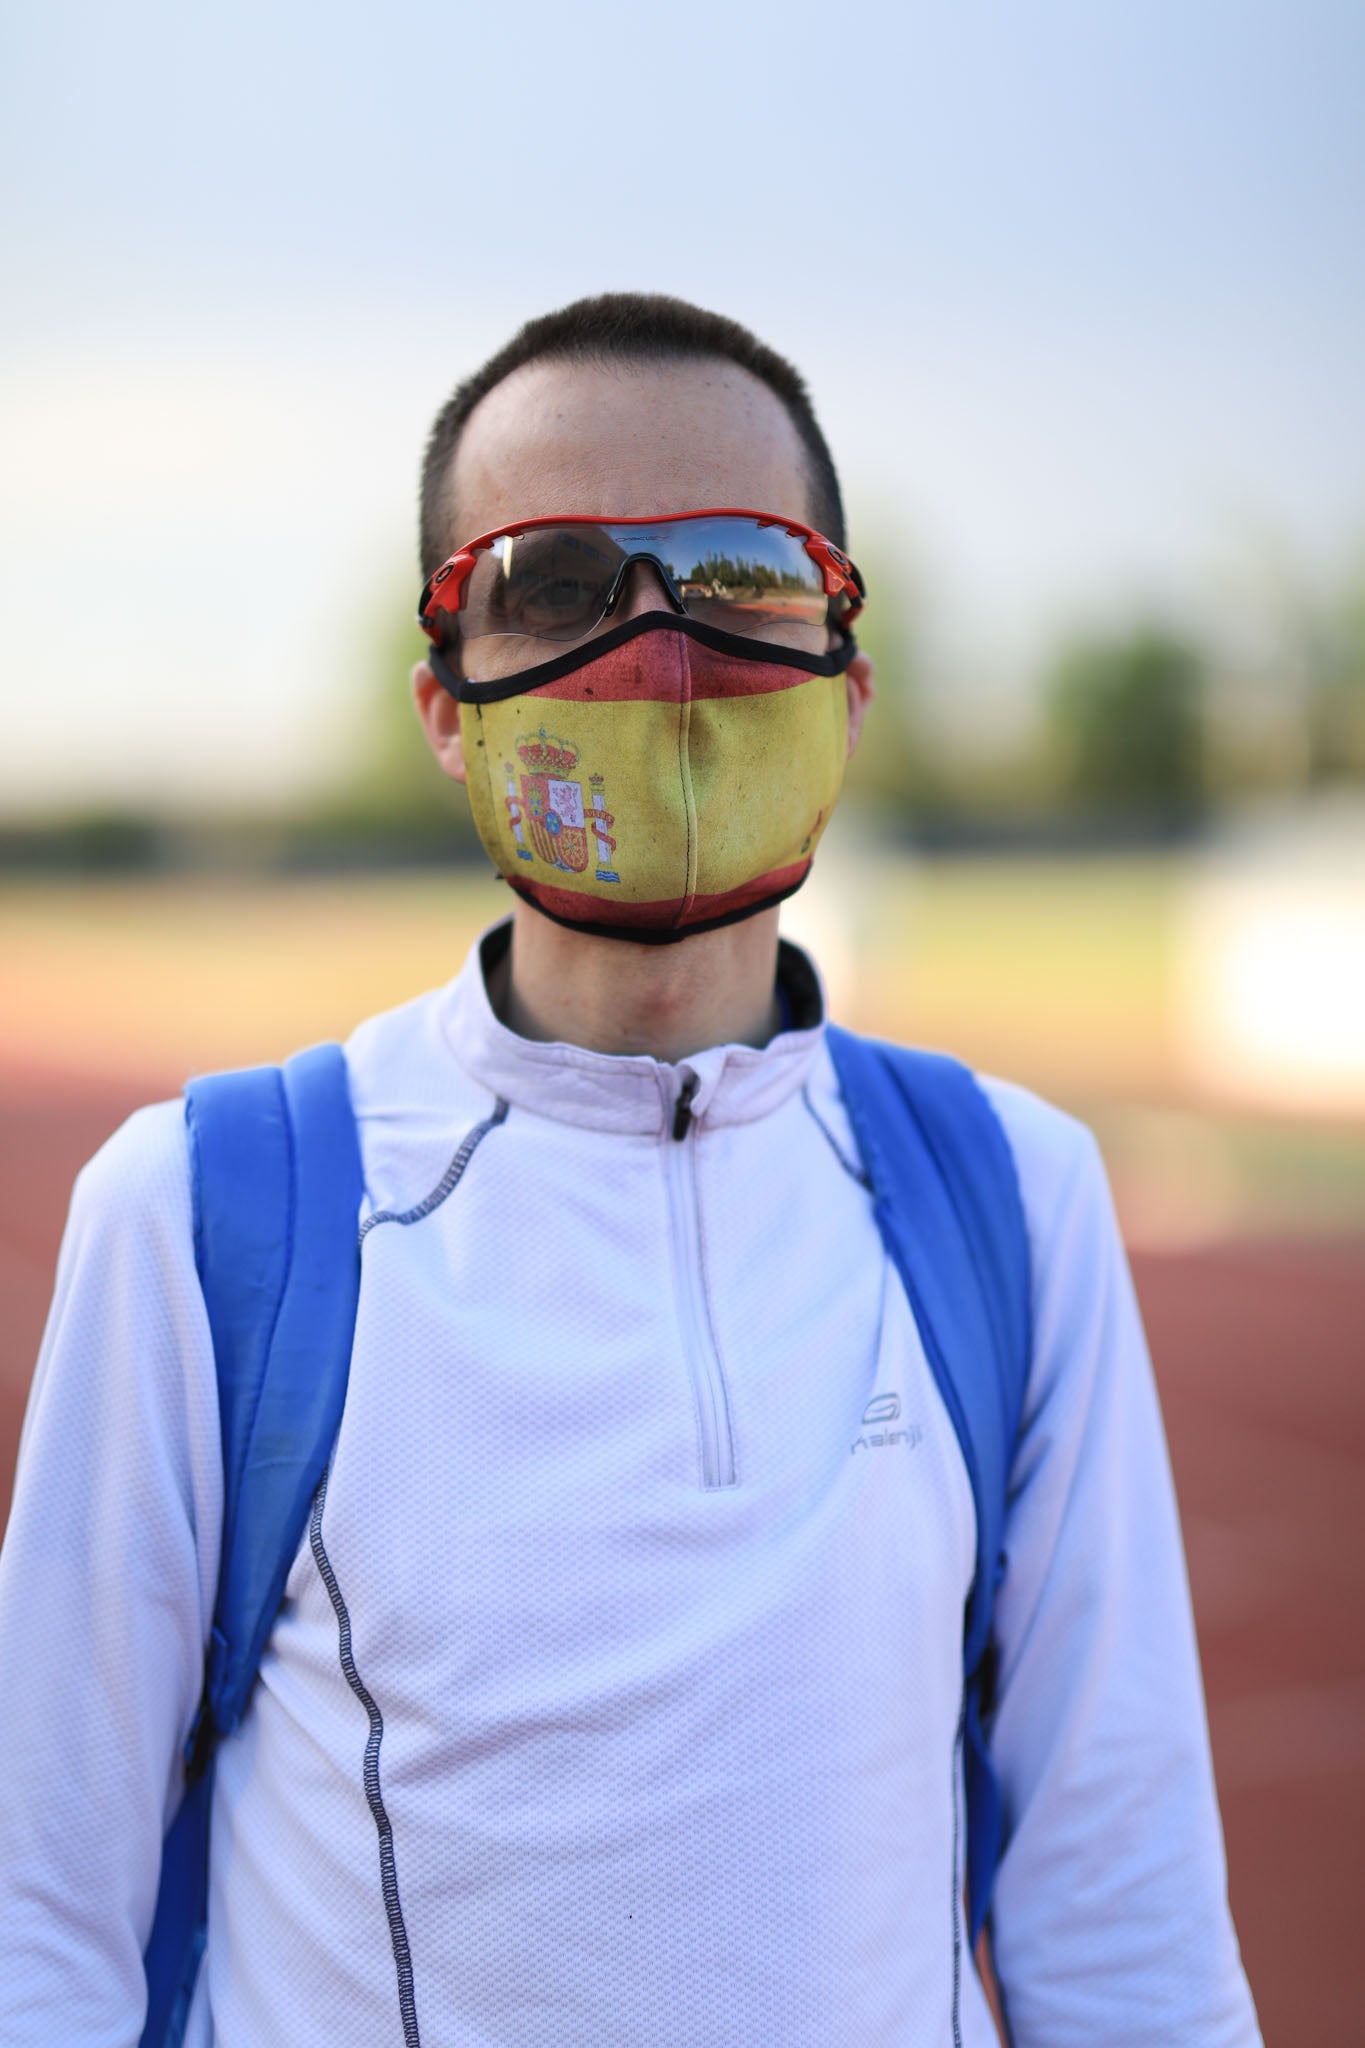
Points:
(699, 1344)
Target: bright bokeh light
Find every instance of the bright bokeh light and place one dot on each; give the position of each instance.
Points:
(1271, 968)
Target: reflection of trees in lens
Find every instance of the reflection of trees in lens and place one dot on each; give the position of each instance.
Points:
(739, 580)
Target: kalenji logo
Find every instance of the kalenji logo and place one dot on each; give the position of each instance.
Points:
(883, 1408)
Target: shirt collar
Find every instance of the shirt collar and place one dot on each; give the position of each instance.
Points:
(632, 1094)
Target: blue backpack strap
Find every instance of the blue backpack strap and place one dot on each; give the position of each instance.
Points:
(278, 1185)
(951, 1216)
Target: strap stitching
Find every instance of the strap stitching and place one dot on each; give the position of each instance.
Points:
(374, 1796)
(854, 1172)
(449, 1180)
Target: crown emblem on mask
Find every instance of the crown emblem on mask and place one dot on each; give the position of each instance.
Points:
(546, 755)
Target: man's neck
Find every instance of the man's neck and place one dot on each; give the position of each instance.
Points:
(718, 988)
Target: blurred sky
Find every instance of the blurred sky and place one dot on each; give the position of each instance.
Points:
(1079, 288)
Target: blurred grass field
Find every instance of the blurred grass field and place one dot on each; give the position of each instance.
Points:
(1060, 973)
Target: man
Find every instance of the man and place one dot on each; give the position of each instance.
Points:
(615, 1696)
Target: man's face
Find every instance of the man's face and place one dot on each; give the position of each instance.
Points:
(622, 440)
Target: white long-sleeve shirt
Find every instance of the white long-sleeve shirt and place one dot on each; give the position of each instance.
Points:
(615, 1694)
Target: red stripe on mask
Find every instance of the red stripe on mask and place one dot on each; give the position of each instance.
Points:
(577, 907)
(669, 668)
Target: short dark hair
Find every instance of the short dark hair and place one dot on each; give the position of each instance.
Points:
(625, 327)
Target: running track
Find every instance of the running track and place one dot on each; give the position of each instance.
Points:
(1260, 1353)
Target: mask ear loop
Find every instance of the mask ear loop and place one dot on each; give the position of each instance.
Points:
(442, 670)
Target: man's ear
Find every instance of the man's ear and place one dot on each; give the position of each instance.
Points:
(858, 679)
(440, 716)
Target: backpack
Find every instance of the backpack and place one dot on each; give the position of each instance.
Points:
(278, 1186)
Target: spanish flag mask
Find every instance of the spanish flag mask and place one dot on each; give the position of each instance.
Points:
(663, 779)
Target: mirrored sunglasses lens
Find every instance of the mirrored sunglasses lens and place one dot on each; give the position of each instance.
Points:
(744, 577)
(553, 584)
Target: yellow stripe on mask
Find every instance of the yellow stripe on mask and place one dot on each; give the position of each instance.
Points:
(644, 802)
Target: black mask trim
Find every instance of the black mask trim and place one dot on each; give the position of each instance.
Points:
(738, 645)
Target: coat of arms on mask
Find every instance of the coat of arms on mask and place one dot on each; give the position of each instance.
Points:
(549, 810)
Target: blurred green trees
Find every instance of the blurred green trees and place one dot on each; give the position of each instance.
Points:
(1334, 674)
(1124, 723)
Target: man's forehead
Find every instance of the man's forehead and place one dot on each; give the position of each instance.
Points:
(622, 439)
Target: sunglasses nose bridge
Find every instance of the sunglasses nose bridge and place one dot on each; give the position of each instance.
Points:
(630, 595)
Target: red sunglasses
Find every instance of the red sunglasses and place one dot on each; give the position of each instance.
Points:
(558, 578)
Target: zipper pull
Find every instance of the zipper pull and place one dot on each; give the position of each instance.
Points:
(682, 1114)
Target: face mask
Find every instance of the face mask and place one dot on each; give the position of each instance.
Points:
(661, 780)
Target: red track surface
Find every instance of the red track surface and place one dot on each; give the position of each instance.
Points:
(1260, 1351)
